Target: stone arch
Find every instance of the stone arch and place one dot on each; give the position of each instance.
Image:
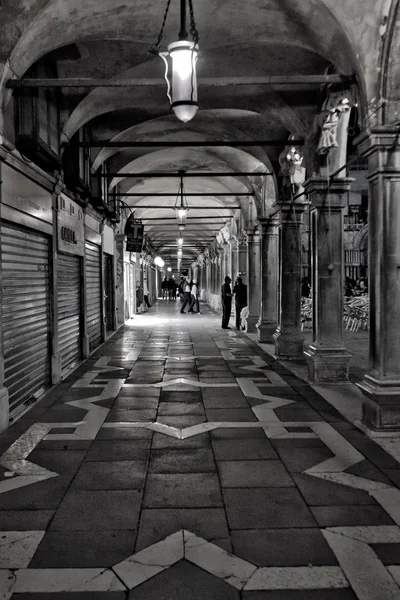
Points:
(390, 72)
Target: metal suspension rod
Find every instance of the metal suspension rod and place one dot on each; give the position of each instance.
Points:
(174, 194)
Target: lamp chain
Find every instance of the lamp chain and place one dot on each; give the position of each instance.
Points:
(193, 31)
(155, 49)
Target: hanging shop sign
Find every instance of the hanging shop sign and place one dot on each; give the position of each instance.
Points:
(25, 195)
(134, 231)
(70, 227)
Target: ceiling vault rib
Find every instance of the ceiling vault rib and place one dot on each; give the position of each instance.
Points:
(140, 206)
(91, 82)
(193, 174)
(174, 194)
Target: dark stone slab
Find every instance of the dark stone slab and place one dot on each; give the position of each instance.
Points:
(303, 458)
(83, 549)
(266, 508)
(110, 450)
(113, 475)
(393, 475)
(181, 396)
(181, 422)
(133, 403)
(289, 413)
(244, 449)
(142, 392)
(230, 414)
(98, 510)
(119, 415)
(319, 492)
(232, 393)
(370, 449)
(156, 524)
(217, 401)
(184, 581)
(283, 547)
(182, 460)
(254, 473)
(25, 520)
(368, 470)
(238, 433)
(124, 433)
(63, 413)
(350, 516)
(72, 596)
(180, 408)
(165, 441)
(341, 594)
(389, 554)
(186, 490)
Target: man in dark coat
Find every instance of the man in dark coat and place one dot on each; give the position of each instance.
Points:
(226, 295)
(240, 291)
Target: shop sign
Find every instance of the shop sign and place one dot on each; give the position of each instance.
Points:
(25, 195)
(134, 231)
(70, 227)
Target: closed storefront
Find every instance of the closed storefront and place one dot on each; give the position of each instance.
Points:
(93, 294)
(71, 248)
(26, 313)
(69, 311)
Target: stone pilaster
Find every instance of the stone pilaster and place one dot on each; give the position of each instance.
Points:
(253, 285)
(242, 258)
(327, 357)
(381, 386)
(234, 247)
(268, 320)
(288, 337)
(120, 300)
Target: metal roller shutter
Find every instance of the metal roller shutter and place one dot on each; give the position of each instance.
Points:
(26, 313)
(93, 294)
(69, 310)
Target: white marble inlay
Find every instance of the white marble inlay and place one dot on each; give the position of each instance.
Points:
(354, 481)
(217, 561)
(345, 454)
(180, 380)
(152, 560)
(18, 547)
(297, 578)
(370, 534)
(367, 575)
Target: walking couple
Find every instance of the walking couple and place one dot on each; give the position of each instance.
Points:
(190, 296)
(240, 293)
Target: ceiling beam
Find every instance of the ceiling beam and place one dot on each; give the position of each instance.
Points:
(184, 144)
(175, 194)
(184, 174)
(137, 206)
(216, 219)
(91, 82)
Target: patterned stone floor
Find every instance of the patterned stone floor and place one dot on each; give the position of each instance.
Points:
(181, 462)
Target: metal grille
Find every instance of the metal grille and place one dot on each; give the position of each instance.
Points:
(26, 314)
(69, 310)
(93, 294)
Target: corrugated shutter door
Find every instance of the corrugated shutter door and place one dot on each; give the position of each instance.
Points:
(69, 310)
(26, 313)
(93, 294)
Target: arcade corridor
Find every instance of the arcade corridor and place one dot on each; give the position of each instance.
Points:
(182, 462)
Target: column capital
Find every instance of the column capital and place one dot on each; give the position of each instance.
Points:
(381, 136)
(319, 188)
(381, 146)
(269, 225)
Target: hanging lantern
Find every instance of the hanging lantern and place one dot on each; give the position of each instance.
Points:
(180, 66)
(181, 206)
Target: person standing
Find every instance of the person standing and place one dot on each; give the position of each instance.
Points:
(187, 297)
(146, 294)
(226, 296)
(240, 291)
(139, 297)
(195, 299)
(164, 288)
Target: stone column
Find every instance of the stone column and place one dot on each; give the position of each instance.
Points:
(268, 320)
(381, 386)
(120, 300)
(254, 280)
(242, 258)
(326, 356)
(234, 247)
(288, 336)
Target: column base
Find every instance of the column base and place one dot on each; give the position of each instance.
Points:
(381, 403)
(4, 409)
(266, 331)
(288, 345)
(252, 324)
(327, 364)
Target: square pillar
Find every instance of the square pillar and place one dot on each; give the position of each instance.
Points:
(327, 358)
(288, 336)
(235, 258)
(381, 385)
(268, 320)
(242, 258)
(254, 279)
